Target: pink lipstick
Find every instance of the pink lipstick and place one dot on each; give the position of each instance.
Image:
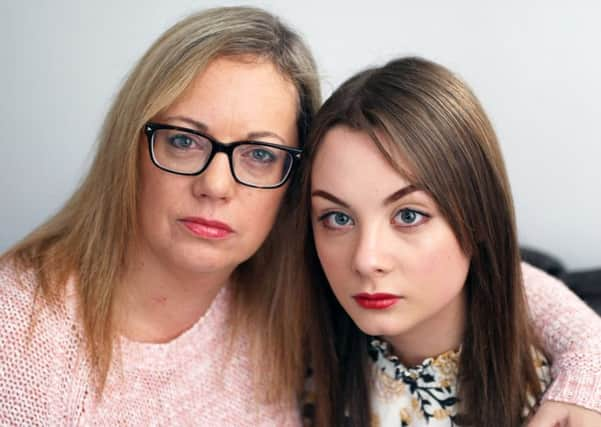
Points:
(206, 228)
(377, 301)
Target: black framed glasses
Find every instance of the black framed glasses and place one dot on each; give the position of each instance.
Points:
(185, 151)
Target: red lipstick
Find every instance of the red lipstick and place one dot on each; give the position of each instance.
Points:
(207, 228)
(377, 301)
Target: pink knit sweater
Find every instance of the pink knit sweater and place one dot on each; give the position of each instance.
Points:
(45, 379)
(571, 333)
(189, 381)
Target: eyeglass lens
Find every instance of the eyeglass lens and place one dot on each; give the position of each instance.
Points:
(189, 153)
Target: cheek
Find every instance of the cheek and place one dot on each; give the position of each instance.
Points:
(159, 193)
(445, 264)
(149, 190)
(334, 258)
(259, 208)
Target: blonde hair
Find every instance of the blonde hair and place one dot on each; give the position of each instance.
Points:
(89, 237)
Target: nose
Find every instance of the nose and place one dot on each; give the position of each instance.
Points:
(372, 256)
(216, 181)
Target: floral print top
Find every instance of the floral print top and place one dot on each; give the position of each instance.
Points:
(424, 395)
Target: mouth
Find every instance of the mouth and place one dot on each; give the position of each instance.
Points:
(377, 301)
(207, 228)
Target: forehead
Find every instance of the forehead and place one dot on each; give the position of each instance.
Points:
(349, 158)
(236, 96)
(252, 75)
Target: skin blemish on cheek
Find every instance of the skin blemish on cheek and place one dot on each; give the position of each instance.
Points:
(159, 300)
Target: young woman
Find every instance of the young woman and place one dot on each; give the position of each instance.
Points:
(412, 221)
(161, 293)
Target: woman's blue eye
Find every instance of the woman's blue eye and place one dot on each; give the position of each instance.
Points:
(262, 155)
(337, 220)
(181, 141)
(409, 217)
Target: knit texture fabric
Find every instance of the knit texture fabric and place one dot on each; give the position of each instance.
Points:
(571, 333)
(196, 379)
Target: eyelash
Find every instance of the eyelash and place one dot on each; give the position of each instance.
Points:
(324, 218)
(424, 217)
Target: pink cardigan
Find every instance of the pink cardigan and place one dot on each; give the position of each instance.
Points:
(46, 380)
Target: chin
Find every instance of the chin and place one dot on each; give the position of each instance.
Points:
(378, 327)
(196, 261)
(207, 264)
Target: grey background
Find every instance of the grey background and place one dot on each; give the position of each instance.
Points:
(535, 66)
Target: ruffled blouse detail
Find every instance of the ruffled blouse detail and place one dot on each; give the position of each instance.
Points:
(424, 395)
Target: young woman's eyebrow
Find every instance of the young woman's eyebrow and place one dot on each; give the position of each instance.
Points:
(400, 194)
(390, 199)
(330, 197)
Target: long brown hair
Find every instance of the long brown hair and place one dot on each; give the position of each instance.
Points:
(420, 112)
(88, 238)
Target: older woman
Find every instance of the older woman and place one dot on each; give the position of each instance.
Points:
(156, 293)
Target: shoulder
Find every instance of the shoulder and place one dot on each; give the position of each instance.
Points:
(17, 291)
(37, 343)
(537, 282)
(26, 319)
(548, 293)
(25, 315)
(533, 276)
(20, 294)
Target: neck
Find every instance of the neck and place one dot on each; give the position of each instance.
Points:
(436, 335)
(155, 303)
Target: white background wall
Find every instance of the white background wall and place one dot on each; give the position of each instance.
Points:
(536, 66)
